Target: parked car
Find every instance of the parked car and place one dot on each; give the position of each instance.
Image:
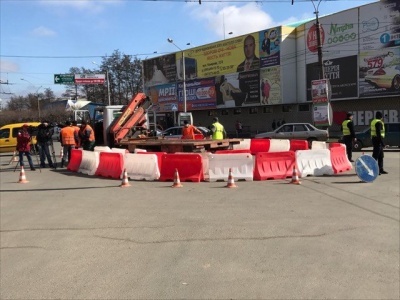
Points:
(296, 131)
(176, 132)
(392, 137)
(388, 78)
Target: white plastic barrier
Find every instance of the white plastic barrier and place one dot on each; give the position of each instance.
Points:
(139, 150)
(241, 164)
(276, 145)
(141, 167)
(314, 162)
(120, 150)
(90, 162)
(243, 145)
(102, 149)
(315, 145)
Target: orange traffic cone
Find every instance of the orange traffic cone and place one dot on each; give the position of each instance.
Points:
(295, 176)
(22, 177)
(177, 181)
(61, 152)
(231, 181)
(125, 182)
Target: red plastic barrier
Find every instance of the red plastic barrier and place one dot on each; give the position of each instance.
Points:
(259, 145)
(190, 167)
(339, 160)
(159, 157)
(76, 159)
(199, 136)
(233, 151)
(111, 164)
(274, 165)
(332, 145)
(298, 145)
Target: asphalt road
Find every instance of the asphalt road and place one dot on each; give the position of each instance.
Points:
(71, 236)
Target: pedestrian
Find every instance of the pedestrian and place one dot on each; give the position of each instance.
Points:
(188, 131)
(218, 130)
(239, 127)
(44, 140)
(68, 142)
(86, 136)
(273, 124)
(24, 147)
(278, 123)
(76, 134)
(377, 136)
(349, 136)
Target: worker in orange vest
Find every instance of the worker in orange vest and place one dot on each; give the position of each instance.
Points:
(68, 141)
(86, 136)
(188, 131)
(76, 134)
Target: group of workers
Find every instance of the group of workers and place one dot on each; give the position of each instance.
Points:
(377, 137)
(71, 136)
(217, 130)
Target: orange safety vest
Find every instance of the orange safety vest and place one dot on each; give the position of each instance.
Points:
(83, 133)
(76, 135)
(188, 133)
(67, 135)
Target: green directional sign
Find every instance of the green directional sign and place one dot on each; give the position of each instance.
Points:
(64, 78)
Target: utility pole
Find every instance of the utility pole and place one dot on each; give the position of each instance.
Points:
(321, 71)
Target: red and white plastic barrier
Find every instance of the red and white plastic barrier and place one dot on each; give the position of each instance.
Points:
(314, 162)
(241, 164)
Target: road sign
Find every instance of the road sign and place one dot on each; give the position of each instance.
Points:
(64, 78)
(174, 107)
(366, 168)
(90, 78)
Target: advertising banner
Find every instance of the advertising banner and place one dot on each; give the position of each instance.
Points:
(200, 94)
(227, 56)
(159, 70)
(270, 41)
(380, 25)
(380, 72)
(270, 86)
(249, 84)
(322, 114)
(90, 78)
(320, 91)
(342, 74)
(163, 96)
(339, 36)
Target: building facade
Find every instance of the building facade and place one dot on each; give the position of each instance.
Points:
(265, 77)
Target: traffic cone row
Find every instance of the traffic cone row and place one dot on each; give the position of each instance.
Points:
(22, 177)
(177, 181)
(125, 181)
(231, 181)
(295, 176)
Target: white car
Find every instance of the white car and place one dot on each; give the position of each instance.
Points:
(296, 131)
(388, 78)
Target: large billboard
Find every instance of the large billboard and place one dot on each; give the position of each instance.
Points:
(342, 73)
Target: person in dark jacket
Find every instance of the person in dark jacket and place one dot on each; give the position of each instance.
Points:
(24, 147)
(349, 135)
(44, 141)
(377, 136)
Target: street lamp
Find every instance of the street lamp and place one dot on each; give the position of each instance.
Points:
(36, 94)
(108, 82)
(184, 72)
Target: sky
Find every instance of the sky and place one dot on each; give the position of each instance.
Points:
(40, 38)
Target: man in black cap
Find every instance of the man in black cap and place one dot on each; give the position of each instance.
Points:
(349, 135)
(44, 141)
(377, 136)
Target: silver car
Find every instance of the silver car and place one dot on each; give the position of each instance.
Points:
(176, 132)
(296, 131)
